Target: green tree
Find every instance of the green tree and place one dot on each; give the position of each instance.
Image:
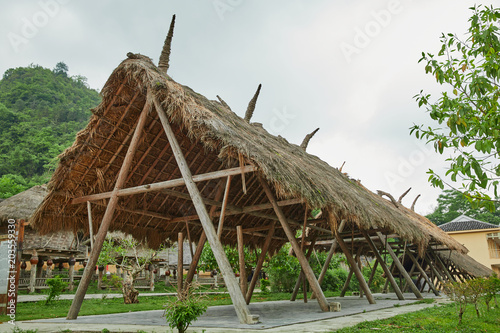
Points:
(452, 204)
(467, 111)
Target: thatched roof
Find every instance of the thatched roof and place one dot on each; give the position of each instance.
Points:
(212, 138)
(22, 205)
(465, 263)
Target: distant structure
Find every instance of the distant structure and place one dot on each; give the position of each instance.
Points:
(481, 238)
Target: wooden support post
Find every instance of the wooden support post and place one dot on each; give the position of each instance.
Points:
(151, 277)
(328, 258)
(400, 267)
(372, 274)
(444, 268)
(410, 273)
(232, 285)
(32, 284)
(91, 230)
(71, 272)
(241, 257)
(196, 258)
(301, 275)
(223, 208)
(434, 270)
(300, 255)
(354, 267)
(180, 263)
(107, 218)
(346, 283)
(387, 271)
(422, 272)
(260, 262)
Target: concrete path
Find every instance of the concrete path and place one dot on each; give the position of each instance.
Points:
(278, 316)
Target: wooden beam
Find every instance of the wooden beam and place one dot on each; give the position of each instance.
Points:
(138, 211)
(346, 283)
(241, 259)
(328, 258)
(108, 216)
(180, 263)
(260, 262)
(387, 271)
(232, 285)
(422, 272)
(91, 232)
(300, 255)
(301, 275)
(224, 206)
(354, 267)
(400, 267)
(165, 185)
(196, 258)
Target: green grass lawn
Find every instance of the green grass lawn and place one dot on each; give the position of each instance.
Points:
(435, 319)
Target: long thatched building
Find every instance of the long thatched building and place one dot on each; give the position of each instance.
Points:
(162, 162)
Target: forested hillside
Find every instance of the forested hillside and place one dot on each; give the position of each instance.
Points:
(41, 110)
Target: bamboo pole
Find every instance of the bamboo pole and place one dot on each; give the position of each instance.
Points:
(422, 272)
(354, 267)
(346, 283)
(196, 258)
(180, 262)
(91, 229)
(301, 275)
(224, 205)
(241, 259)
(387, 271)
(300, 255)
(240, 305)
(260, 262)
(108, 216)
(400, 267)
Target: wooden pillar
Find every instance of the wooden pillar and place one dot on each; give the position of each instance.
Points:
(180, 262)
(34, 261)
(354, 267)
(346, 283)
(410, 273)
(91, 230)
(71, 272)
(300, 255)
(444, 268)
(400, 267)
(223, 208)
(387, 271)
(241, 258)
(260, 262)
(301, 275)
(108, 217)
(232, 285)
(434, 270)
(328, 259)
(39, 268)
(422, 272)
(151, 277)
(372, 274)
(196, 258)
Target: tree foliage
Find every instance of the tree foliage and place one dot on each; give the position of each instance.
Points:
(467, 111)
(41, 110)
(452, 204)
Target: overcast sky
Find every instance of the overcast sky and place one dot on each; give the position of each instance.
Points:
(349, 67)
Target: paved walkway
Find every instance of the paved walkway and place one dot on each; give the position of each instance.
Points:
(277, 316)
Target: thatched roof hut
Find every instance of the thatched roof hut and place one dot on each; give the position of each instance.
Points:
(58, 243)
(132, 168)
(213, 138)
(22, 205)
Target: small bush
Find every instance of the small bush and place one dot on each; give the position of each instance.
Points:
(334, 279)
(264, 286)
(183, 310)
(56, 287)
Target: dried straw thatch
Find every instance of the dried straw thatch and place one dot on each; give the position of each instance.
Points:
(22, 205)
(212, 138)
(465, 263)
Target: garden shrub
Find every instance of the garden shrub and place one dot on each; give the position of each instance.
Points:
(334, 279)
(283, 271)
(56, 287)
(183, 310)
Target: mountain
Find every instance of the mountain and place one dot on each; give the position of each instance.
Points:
(41, 110)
